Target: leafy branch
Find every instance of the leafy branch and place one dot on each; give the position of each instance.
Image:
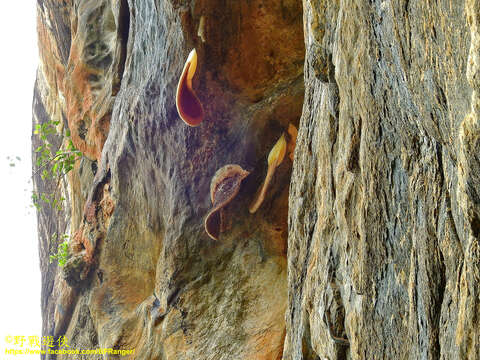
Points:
(61, 256)
(62, 160)
(54, 165)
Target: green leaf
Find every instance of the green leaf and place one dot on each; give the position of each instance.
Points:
(62, 254)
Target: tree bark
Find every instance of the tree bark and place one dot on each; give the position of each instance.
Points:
(365, 245)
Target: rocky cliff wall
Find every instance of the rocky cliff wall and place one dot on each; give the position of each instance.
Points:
(366, 244)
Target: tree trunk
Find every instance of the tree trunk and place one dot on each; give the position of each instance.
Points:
(365, 245)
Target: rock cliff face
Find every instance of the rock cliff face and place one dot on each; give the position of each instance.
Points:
(366, 245)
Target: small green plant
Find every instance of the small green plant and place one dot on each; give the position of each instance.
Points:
(61, 256)
(53, 164)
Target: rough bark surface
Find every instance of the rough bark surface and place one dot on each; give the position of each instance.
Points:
(383, 234)
(381, 205)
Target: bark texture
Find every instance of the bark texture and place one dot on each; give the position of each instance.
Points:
(383, 234)
(366, 245)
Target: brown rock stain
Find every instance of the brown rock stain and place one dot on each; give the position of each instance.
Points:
(88, 128)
